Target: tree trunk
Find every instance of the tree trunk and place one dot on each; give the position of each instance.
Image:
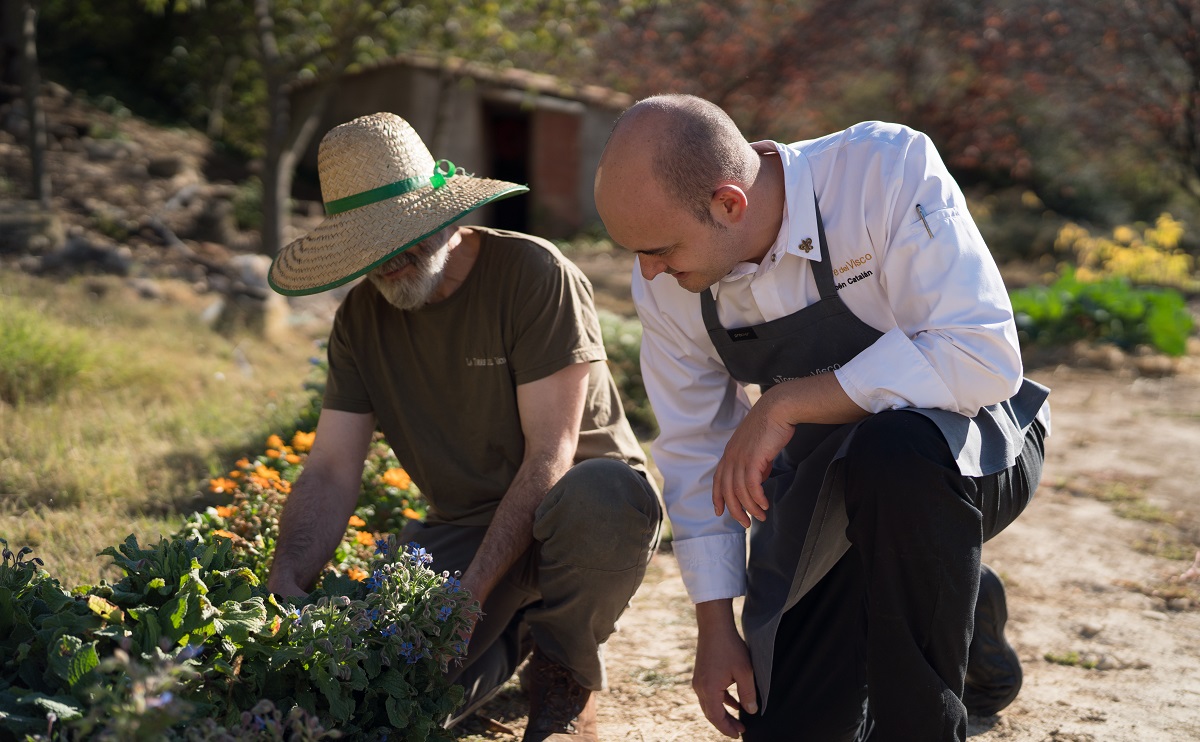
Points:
(275, 190)
(31, 83)
(286, 139)
(276, 182)
(220, 98)
(441, 111)
(11, 27)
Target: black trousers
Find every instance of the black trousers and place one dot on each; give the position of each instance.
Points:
(878, 648)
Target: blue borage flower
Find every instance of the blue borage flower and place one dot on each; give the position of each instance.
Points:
(418, 555)
(375, 581)
(443, 613)
(381, 546)
(160, 701)
(453, 584)
(391, 630)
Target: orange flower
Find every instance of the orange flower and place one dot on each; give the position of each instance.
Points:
(410, 514)
(356, 574)
(273, 454)
(282, 485)
(225, 511)
(274, 442)
(266, 472)
(222, 485)
(364, 538)
(357, 522)
(243, 464)
(224, 534)
(397, 478)
(292, 458)
(303, 441)
(236, 474)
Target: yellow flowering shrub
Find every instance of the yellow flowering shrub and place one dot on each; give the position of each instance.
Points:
(1143, 254)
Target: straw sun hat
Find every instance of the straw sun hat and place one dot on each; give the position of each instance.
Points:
(383, 193)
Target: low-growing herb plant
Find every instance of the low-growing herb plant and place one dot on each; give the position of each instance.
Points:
(200, 638)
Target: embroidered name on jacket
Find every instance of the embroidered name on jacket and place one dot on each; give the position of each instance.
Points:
(471, 362)
(854, 279)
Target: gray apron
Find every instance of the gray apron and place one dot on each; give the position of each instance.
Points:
(786, 558)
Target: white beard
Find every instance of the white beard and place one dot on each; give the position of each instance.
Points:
(412, 291)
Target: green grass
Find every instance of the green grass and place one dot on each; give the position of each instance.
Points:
(1070, 659)
(129, 406)
(40, 358)
(1128, 501)
(1167, 545)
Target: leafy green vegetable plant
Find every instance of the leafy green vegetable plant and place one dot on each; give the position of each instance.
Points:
(1107, 310)
(189, 633)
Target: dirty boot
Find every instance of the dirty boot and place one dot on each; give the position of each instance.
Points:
(560, 709)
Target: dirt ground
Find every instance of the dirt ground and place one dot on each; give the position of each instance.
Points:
(1092, 570)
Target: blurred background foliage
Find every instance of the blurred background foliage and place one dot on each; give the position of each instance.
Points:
(1064, 120)
(1091, 107)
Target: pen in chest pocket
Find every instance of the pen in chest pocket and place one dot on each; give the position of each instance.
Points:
(921, 213)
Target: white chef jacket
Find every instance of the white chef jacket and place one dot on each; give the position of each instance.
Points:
(949, 340)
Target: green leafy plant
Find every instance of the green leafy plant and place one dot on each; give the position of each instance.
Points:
(190, 632)
(1107, 310)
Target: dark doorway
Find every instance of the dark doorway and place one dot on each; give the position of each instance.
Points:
(507, 130)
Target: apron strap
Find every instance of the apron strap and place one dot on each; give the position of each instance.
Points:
(822, 270)
(708, 311)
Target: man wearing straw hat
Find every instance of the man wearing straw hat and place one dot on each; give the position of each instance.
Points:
(894, 433)
(478, 354)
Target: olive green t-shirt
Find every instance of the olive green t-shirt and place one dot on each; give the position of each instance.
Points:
(442, 380)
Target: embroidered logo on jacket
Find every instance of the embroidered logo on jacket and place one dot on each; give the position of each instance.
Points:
(486, 361)
(851, 264)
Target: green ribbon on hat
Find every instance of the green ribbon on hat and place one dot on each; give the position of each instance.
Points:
(391, 190)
